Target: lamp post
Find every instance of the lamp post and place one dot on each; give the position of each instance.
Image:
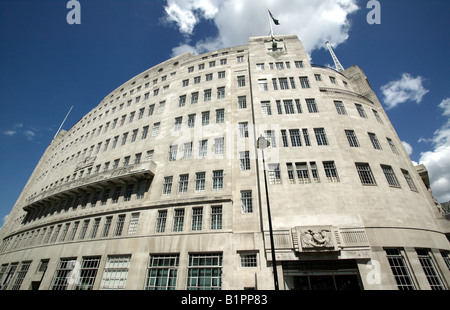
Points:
(261, 144)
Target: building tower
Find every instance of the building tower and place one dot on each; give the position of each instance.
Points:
(161, 186)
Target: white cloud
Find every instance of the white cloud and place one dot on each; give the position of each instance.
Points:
(408, 147)
(237, 20)
(437, 161)
(9, 133)
(407, 88)
(29, 134)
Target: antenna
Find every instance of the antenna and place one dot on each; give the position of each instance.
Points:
(335, 59)
(63, 123)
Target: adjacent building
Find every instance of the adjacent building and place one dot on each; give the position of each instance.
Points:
(162, 186)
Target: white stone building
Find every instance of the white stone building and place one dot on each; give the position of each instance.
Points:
(161, 186)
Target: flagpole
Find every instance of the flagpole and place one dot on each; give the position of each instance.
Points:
(270, 23)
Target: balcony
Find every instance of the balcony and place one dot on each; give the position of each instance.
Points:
(101, 180)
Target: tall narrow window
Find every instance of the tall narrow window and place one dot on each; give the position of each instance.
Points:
(306, 137)
(132, 228)
(197, 218)
(302, 173)
(409, 180)
(187, 150)
(360, 110)
(218, 180)
(183, 184)
(107, 226)
(216, 217)
(244, 160)
(321, 136)
(365, 174)
(430, 270)
(200, 181)
(312, 106)
(390, 176)
(203, 148)
(119, 225)
(330, 171)
(178, 220)
(173, 152)
(167, 186)
(351, 137)
(161, 221)
(340, 108)
(274, 174)
(400, 270)
(246, 202)
(374, 140)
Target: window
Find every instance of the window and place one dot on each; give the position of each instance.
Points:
(374, 140)
(279, 65)
(183, 184)
(115, 272)
(204, 272)
(340, 108)
(242, 102)
(265, 108)
(161, 221)
(61, 278)
(83, 230)
(360, 110)
(249, 260)
(243, 130)
(244, 160)
(20, 275)
(312, 106)
(191, 120)
(246, 202)
(351, 137)
(429, 269)
(187, 150)
(173, 149)
(392, 146)
(279, 109)
(107, 226)
(295, 137)
(365, 174)
(298, 64)
(318, 77)
(302, 173)
(270, 135)
(218, 180)
(200, 181)
(275, 84)
(377, 116)
(262, 84)
(124, 138)
(390, 176)
(288, 106)
(155, 130)
(306, 136)
(321, 136)
(132, 228)
(162, 272)
(409, 180)
(241, 81)
(194, 98)
(216, 217)
(220, 92)
(197, 79)
(220, 116)
(205, 118)
(88, 273)
(283, 83)
(304, 82)
(221, 75)
(207, 95)
(144, 133)
(197, 217)
(167, 186)
(240, 59)
(274, 174)
(284, 138)
(219, 146)
(332, 79)
(178, 220)
(177, 125)
(330, 171)
(399, 269)
(209, 77)
(203, 148)
(260, 67)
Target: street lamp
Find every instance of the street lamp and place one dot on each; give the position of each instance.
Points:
(261, 144)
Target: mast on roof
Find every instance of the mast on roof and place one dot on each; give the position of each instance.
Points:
(337, 64)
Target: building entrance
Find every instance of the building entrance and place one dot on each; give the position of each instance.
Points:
(321, 275)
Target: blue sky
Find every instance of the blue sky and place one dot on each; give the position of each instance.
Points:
(47, 65)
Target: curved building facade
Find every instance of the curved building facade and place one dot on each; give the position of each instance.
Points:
(162, 186)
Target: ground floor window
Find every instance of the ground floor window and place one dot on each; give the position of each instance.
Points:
(322, 275)
(162, 272)
(205, 272)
